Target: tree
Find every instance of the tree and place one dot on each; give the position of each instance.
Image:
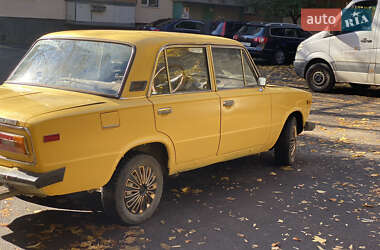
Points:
(286, 8)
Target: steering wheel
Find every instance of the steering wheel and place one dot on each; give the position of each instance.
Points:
(180, 77)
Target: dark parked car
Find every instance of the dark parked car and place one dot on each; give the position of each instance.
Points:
(177, 25)
(276, 42)
(226, 28)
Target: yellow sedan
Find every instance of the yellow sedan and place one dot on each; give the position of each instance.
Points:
(116, 111)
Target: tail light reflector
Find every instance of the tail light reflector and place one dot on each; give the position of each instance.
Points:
(49, 138)
(13, 143)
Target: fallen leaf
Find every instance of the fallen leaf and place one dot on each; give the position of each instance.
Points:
(332, 199)
(130, 240)
(287, 168)
(35, 245)
(185, 189)
(367, 205)
(196, 191)
(375, 175)
(296, 239)
(255, 246)
(240, 235)
(165, 246)
(321, 191)
(280, 221)
(272, 173)
(276, 244)
(230, 198)
(172, 238)
(319, 240)
(225, 178)
(259, 179)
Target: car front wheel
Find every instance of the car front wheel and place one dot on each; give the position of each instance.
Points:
(320, 78)
(135, 190)
(285, 148)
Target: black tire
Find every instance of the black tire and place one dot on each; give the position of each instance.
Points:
(360, 86)
(285, 148)
(126, 182)
(320, 77)
(279, 57)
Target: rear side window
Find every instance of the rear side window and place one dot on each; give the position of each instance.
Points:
(189, 25)
(277, 31)
(228, 68)
(251, 30)
(302, 33)
(290, 32)
(186, 68)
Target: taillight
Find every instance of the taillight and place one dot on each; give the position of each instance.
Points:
(235, 37)
(260, 39)
(13, 143)
(224, 29)
(155, 29)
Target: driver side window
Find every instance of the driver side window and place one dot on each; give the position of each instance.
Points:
(187, 71)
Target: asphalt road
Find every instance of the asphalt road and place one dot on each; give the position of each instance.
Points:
(330, 199)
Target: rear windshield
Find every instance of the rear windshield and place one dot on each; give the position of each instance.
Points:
(84, 66)
(251, 30)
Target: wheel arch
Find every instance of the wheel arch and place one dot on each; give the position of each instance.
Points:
(162, 150)
(319, 60)
(299, 119)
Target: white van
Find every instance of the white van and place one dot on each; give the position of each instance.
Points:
(327, 58)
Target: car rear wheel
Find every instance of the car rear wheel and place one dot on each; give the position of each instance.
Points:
(135, 190)
(285, 148)
(279, 57)
(320, 78)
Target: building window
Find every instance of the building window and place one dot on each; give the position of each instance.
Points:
(149, 3)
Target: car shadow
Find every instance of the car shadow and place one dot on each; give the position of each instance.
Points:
(216, 196)
(76, 221)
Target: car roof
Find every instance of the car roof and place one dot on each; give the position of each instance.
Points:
(142, 38)
(263, 24)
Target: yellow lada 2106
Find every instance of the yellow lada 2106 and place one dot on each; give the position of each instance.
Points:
(116, 111)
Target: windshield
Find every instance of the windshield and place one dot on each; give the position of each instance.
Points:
(85, 66)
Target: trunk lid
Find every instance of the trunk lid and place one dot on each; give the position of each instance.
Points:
(19, 102)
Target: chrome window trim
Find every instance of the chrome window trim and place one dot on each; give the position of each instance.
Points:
(123, 82)
(27, 131)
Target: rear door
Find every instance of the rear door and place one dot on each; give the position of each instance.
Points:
(245, 107)
(186, 110)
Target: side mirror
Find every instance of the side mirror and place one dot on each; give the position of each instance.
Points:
(262, 81)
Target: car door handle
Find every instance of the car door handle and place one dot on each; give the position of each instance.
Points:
(228, 103)
(164, 111)
(365, 40)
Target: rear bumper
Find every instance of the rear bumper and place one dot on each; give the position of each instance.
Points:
(309, 126)
(25, 182)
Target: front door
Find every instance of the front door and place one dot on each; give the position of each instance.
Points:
(186, 110)
(245, 107)
(353, 51)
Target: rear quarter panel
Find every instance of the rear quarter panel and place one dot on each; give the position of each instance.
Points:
(286, 101)
(90, 152)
